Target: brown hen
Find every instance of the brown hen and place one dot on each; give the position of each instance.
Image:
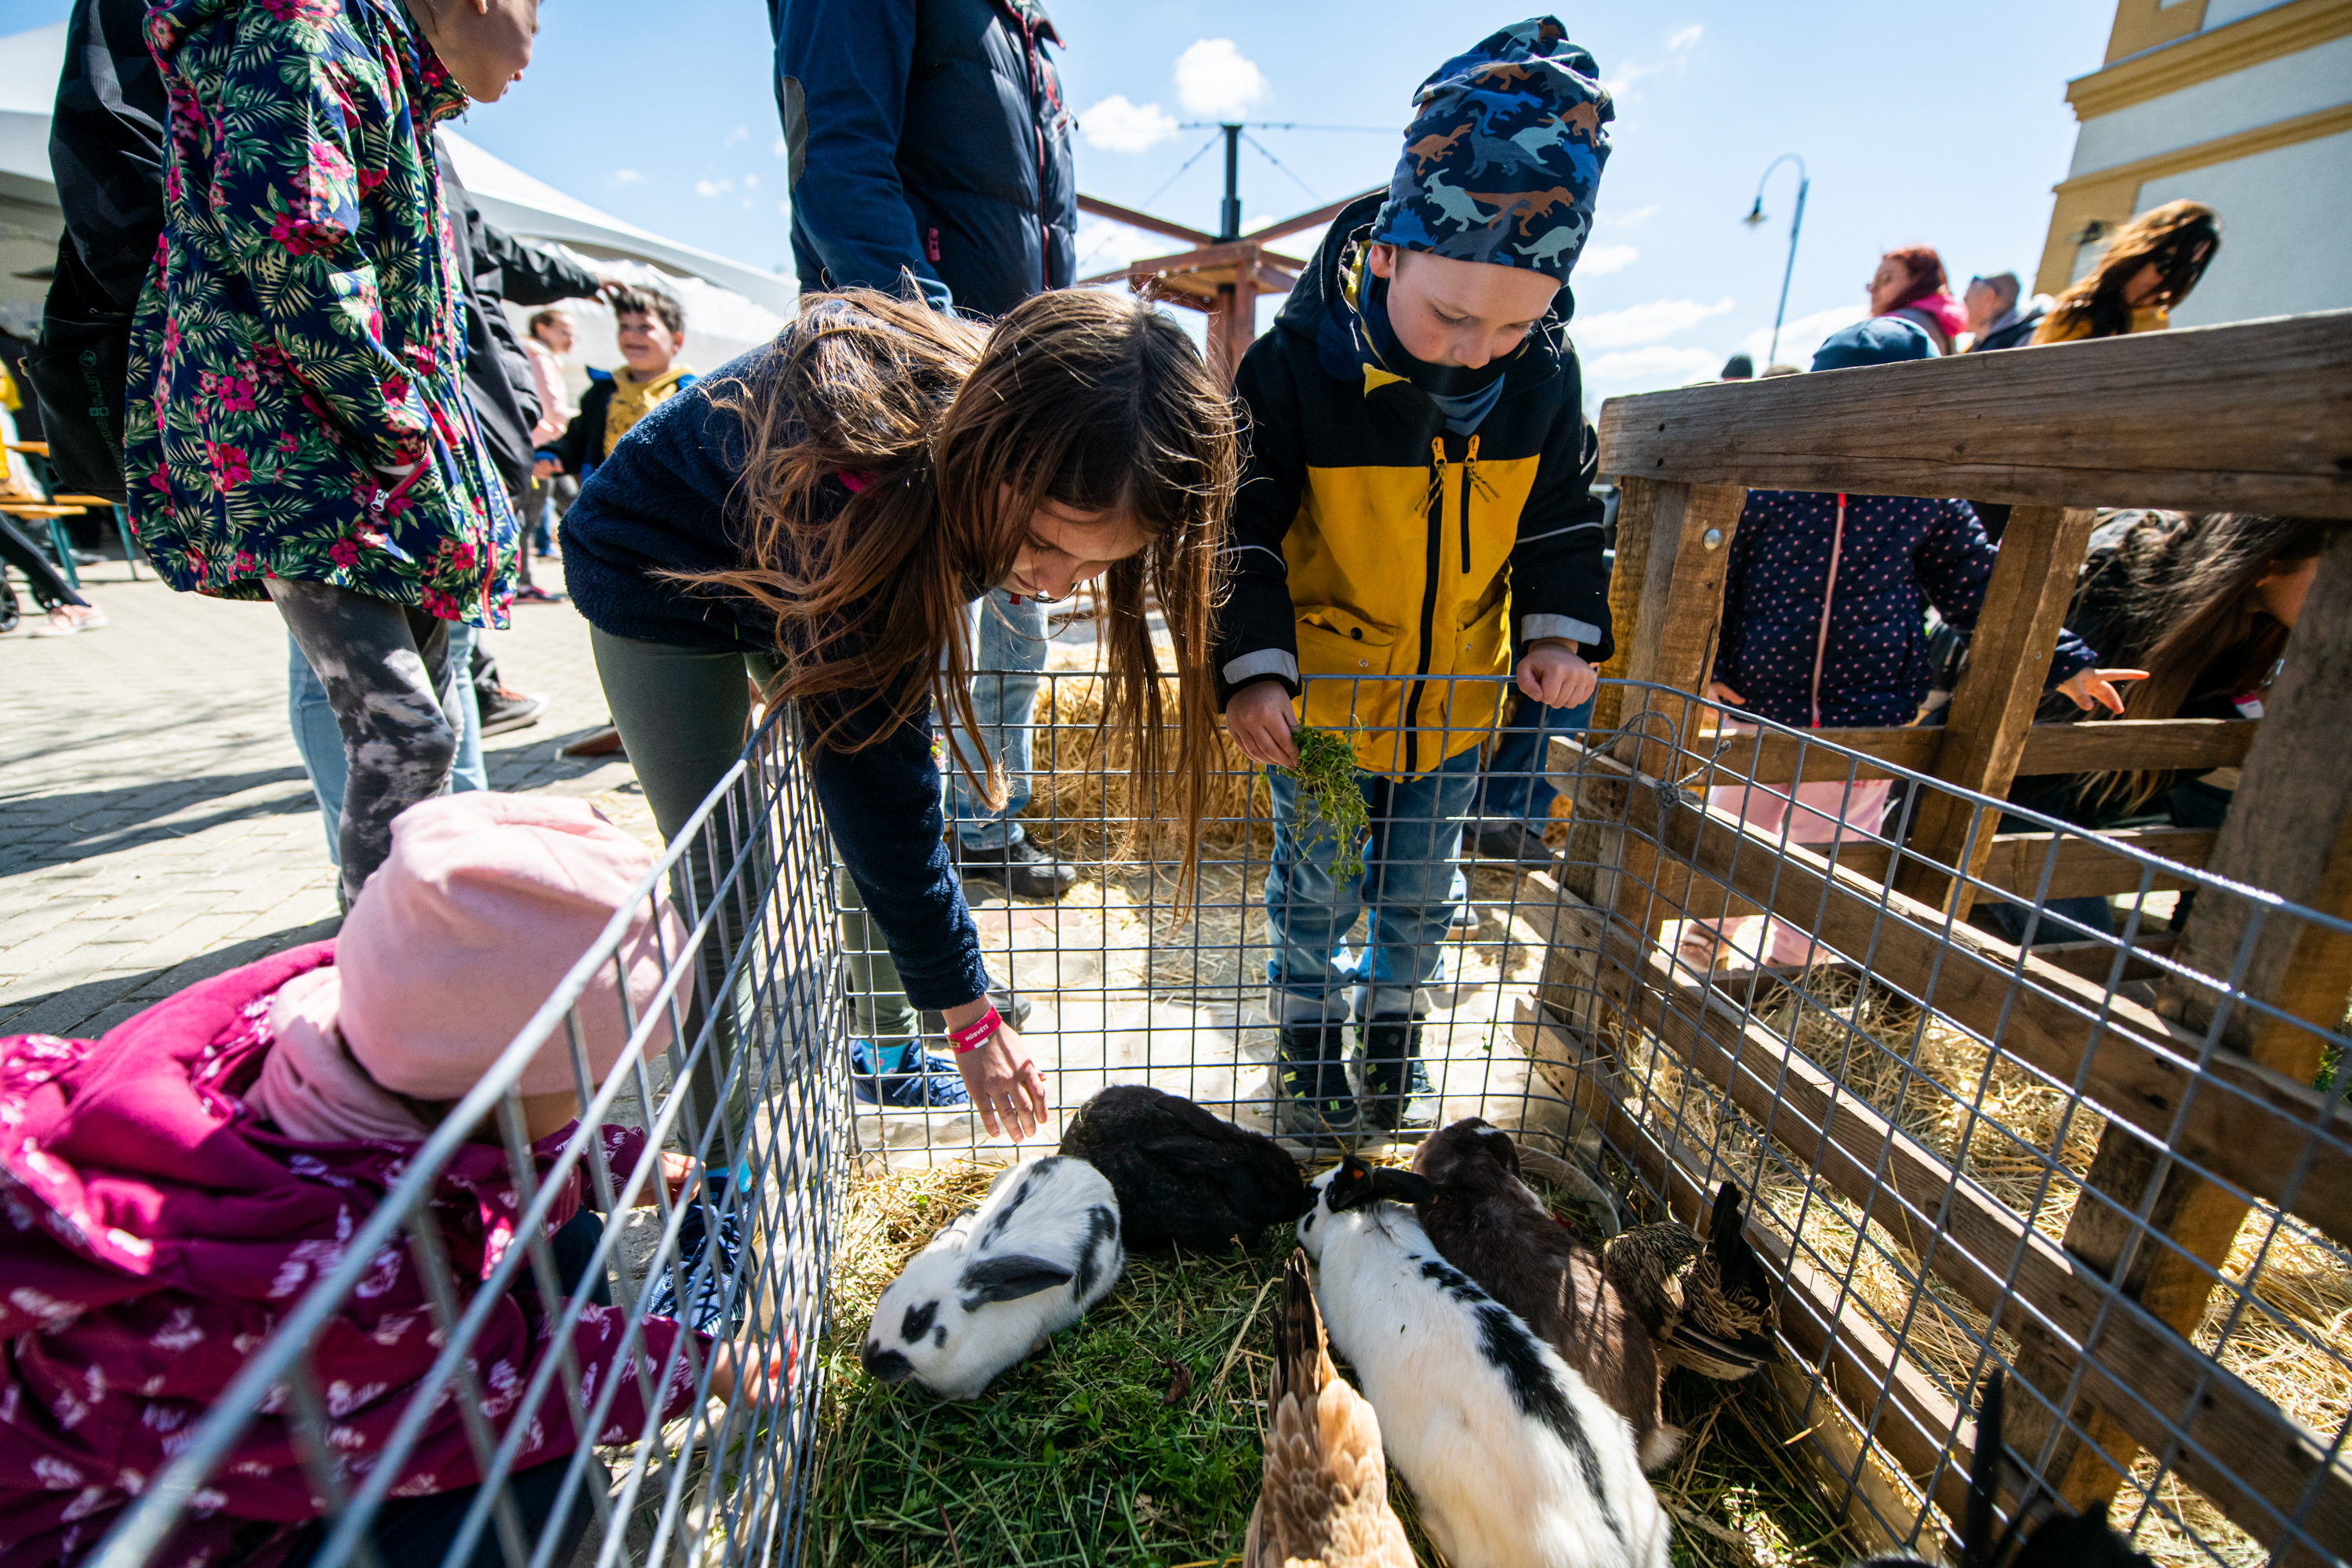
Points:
(1324, 1502)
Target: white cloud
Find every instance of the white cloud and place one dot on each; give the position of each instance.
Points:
(1115, 125)
(1214, 78)
(628, 177)
(783, 148)
(750, 181)
(1600, 260)
(713, 187)
(784, 209)
(744, 133)
(1621, 81)
(1685, 38)
(1648, 369)
(1606, 219)
(1644, 323)
(1800, 337)
(1103, 244)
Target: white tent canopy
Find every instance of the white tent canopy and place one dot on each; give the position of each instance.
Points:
(729, 305)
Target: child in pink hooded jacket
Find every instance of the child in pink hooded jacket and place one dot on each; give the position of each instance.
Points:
(170, 1192)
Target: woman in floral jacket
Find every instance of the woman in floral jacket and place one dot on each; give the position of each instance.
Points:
(298, 427)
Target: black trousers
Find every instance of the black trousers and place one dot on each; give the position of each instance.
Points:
(49, 588)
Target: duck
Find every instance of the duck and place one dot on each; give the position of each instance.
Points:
(1709, 1304)
(1324, 1500)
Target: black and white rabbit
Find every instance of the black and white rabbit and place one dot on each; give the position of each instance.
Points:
(1514, 1461)
(1182, 1175)
(1490, 1224)
(999, 1280)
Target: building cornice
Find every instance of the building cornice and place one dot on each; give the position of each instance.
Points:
(2168, 68)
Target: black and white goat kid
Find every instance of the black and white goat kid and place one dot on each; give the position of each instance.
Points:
(1514, 1461)
(999, 1280)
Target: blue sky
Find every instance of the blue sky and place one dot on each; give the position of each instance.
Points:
(1918, 125)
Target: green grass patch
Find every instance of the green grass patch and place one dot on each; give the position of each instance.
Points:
(1132, 1439)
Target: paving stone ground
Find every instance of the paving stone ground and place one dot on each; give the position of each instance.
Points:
(155, 823)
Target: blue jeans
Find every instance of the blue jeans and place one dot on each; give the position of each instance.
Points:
(1516, 789)
(1407, 884)
(1001, 704)
(321, 744)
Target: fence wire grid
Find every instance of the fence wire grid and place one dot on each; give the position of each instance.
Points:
(1941, 1130)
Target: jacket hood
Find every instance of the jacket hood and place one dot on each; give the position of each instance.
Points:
(1324, 308)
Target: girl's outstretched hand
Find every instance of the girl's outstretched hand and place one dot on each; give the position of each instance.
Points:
(2087, 688)
(1006, 1088)
(741, 1371)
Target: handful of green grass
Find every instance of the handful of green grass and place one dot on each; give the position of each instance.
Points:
(1326, 785)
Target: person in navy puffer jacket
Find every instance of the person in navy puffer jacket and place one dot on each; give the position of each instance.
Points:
(1825, 605)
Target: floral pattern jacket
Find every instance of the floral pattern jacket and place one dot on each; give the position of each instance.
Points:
(155, 1233)
(297, 357)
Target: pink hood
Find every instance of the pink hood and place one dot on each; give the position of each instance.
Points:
(151, 1235)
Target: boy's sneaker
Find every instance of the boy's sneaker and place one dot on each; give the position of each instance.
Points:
(921, 1082)
(1397, 1091)
(1021, 868)
(709, 1242)
(1311, 1098)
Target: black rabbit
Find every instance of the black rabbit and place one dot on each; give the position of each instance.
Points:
(1182, 1174)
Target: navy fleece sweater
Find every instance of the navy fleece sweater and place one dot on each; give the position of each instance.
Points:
(663, 501)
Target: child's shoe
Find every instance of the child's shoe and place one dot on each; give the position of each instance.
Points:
(1311, 1098)
(709, 1243)
(920, 1081)
(1397, 1091)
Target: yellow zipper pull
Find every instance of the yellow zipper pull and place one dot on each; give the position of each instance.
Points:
(1437, 473)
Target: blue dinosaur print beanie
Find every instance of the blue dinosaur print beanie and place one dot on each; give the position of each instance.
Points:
(1503, 158)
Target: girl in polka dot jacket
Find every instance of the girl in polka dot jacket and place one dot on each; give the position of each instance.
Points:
(1824, 626)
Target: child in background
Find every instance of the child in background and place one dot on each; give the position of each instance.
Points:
(1825, 626)
(1417, 503)
(184, 1180)
(651, 330)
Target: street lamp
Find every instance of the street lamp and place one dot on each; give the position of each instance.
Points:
(1756, 216)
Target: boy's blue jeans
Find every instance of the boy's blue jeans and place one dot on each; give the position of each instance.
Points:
(1406, 884)
(1515, 788)
(1002, 704)
(321, 742)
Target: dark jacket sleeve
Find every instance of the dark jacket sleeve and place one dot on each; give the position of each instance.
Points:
(1736, 569)
(575, 447)
(1954, 561)
(106, 145)
(532, 274)
(841, 70)
(1560, 579)
(1257, 635)
(886, 809)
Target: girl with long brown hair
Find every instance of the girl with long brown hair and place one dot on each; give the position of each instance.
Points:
(821, 511)
(2147, 268)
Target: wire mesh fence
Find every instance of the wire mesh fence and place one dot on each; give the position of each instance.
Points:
(1733, 963)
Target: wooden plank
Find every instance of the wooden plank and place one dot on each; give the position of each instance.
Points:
(2256, 417)
(2127, 745)
(1098, 207)
(1320, 218)
(2017, 634)
(2085, 864)
(1637, 517)
(2006, 1269)
(2096, 960)
(2243, 1121)
(2192, 745)
(2289, 833)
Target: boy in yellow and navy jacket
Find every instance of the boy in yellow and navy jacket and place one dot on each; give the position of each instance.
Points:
(1417, 511)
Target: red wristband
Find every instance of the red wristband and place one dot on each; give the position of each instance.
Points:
(977, 1032)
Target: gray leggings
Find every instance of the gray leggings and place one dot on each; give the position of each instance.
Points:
(389, 680)
(683, 714)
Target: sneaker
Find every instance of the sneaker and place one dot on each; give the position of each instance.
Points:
(67, 620)
(532, 594)
(1397, 1091)
(709, 1241)
(511, 709)
(1311, 1098)
(1020, 867)
(933, 1084)
(1514, 842)
(1012, 1008)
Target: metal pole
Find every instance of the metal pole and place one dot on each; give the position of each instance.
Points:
(1229, 222)
(1772, 355)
